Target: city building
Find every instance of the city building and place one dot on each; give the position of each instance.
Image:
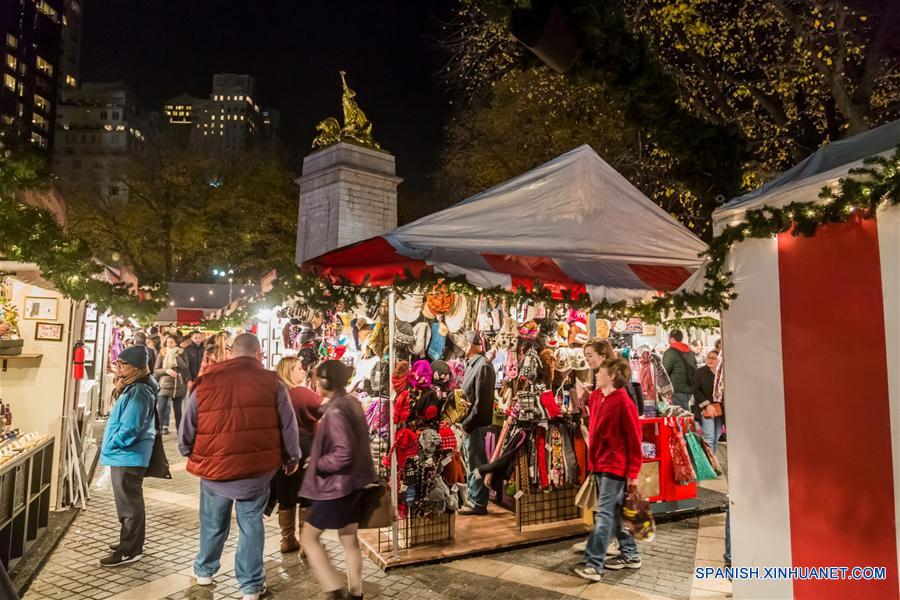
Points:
(227, 122)
(70, 52)
(31, 33)
(98, 127)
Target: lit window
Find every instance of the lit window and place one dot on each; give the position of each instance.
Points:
(214, 117)
(108, 127)
(40, 121)
(11, 61)
(44, 67)
(12, 41)
(48, 10)
(240, 97)
(9, 81)
(70, 81)
(120, 128)
(38, 139)
(42, 103)
(242, 117)
(229, 98)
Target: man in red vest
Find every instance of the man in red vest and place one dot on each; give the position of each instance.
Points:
(238, 429)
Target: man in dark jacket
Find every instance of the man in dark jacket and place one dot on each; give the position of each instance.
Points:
(193, 351)
(140, 339)
(707, 410)
(478, 385)
(678, 360)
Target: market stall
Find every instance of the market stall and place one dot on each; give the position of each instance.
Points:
(602, 244)
(812, 337)
(37, 392)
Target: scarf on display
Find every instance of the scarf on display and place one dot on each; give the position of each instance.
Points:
(661, 378)
(645, 376)
(718, 382)
(123, 382)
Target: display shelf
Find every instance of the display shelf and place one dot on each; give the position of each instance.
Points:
(24, 501)
(19, 356)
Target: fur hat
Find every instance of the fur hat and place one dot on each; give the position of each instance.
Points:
(439, 300)
(507, 338)
(408, 307)
(420, 375)
(547, 363)
(456, 316)
(531, 366)
(429, 441)
(563, 361)
(579, 362)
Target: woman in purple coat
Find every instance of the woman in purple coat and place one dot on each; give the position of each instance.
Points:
(340, 467)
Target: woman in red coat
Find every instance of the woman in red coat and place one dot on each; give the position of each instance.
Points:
(614, 458)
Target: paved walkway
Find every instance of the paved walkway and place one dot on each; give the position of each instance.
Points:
(165, 572)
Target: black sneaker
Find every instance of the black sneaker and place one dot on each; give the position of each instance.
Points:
(620, 562)
(114, 547)
(117, 560)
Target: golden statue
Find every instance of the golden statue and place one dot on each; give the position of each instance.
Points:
(357, 126)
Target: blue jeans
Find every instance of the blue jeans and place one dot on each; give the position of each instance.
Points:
(215, 521)
(164, 408)
(476, 456)
(712, 430)
(682, 399)
(608, 521)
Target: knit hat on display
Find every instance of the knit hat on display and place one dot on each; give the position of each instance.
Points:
(429, 441)
(439, 300)
(422, 333)
(456, 316)
(136, 356)
(441, 373)
(404, 338)
(420, 375)
(529, 331)
(448, 438)
(458, 372)
(409, 307)
(402, 408)
(429, 406)
(406, 445)
(400, 376)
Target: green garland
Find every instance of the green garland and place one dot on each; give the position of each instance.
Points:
(860, 194)
(33, 235)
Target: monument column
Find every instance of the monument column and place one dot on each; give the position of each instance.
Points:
(348, 193)
(348, 189)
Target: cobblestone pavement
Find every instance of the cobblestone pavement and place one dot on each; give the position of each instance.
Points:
(165, 572)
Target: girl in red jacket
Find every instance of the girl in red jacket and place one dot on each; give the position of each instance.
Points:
(614, 457)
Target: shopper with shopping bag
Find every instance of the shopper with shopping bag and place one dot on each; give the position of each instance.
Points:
(338, 481)
(615, 461)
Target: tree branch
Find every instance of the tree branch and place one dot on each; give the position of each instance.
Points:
(873, 64)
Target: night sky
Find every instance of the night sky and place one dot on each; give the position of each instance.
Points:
(294, 49)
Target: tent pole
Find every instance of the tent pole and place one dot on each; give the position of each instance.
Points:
(395, 526)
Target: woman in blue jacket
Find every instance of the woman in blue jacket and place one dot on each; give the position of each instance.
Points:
(127, 445)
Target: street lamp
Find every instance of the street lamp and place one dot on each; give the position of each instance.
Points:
(230, 274)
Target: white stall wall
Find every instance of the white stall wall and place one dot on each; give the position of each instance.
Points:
(36, 389)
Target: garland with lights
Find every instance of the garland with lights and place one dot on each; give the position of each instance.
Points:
(32, 235)
(859, 194)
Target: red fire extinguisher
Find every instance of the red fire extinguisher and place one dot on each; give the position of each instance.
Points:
(78, 361)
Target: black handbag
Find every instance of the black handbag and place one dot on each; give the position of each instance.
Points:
(377, 509)
(159, 463)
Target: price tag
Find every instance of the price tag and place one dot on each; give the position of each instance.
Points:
(447, 460)
(519, 494)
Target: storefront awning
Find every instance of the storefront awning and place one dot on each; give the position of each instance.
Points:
(573, 224)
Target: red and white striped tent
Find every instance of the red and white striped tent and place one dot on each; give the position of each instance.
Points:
(812, 387)
(573, 223)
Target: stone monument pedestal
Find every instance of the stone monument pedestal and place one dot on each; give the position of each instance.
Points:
(348, 193)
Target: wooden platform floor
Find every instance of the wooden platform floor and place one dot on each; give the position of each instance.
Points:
(474, 536)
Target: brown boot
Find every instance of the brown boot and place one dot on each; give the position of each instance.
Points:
(287, 521)
(301, 517)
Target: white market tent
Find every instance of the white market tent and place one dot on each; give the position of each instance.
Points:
(812, 386)
(573, 223)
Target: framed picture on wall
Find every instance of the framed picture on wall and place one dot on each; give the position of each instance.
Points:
(48, 332)
(41, 309)
(88, 352)
(90, 332)
(90, 314)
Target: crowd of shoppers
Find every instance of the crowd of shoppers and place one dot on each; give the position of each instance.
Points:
(296, 439)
